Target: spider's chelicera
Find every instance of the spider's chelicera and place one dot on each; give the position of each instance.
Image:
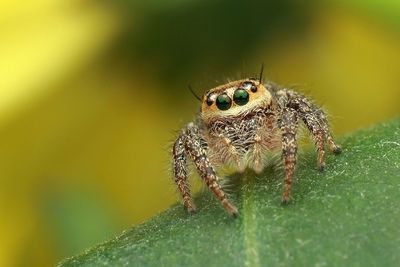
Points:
(239, 121)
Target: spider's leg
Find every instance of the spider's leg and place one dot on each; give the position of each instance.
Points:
(232, 151)
(288, 126)
(317, 131)
(324, 124)
(181, 174)
(314, 118)
(198, 154)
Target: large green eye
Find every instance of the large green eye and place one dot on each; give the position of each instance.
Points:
(241, 97)
(224, 102)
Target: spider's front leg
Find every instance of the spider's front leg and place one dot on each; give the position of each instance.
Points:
(288, 126)
(198, 155)
(180, 173)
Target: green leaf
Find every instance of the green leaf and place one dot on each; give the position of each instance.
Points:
(347, 215)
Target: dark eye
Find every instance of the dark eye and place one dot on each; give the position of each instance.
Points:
(251, 86)
(241, 97)
(209, 101)
(224, 102)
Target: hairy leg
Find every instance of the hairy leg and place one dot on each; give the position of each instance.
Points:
(315, 120)
(315, 128)
(198, 154)
(324, 124)
(181, 174)
(288, 126)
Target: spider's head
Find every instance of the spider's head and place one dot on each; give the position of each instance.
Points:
(234, 98)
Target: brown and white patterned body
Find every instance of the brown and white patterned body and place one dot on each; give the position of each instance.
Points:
(240, 121)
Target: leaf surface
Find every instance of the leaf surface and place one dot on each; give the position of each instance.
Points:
(347, 215)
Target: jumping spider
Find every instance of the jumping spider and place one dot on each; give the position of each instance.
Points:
(237, 122)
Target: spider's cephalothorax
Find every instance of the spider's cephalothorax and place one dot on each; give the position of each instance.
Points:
(239, 121)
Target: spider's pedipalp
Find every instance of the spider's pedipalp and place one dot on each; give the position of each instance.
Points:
(232, 151)
(257, 147)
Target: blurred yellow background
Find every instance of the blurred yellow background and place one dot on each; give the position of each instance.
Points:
(92, 93)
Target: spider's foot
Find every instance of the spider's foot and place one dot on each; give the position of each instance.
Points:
(191, 211)
(337, 150)
(234, 213)
(321, 166)
(190, 207)
(285, 201)
(231, 209)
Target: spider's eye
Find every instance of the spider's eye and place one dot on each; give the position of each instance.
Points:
(247, 85)
(209, 101)
(224, 102)
(251, 86)
(241, 97)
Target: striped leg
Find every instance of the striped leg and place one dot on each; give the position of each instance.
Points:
(317, 131)
(288, 126)
(324, 124)
(198, 154)
(181, 174)
(314, 119)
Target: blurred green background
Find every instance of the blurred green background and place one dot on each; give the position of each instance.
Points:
(92, 93)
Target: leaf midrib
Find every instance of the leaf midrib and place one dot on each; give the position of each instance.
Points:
(249, 220)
